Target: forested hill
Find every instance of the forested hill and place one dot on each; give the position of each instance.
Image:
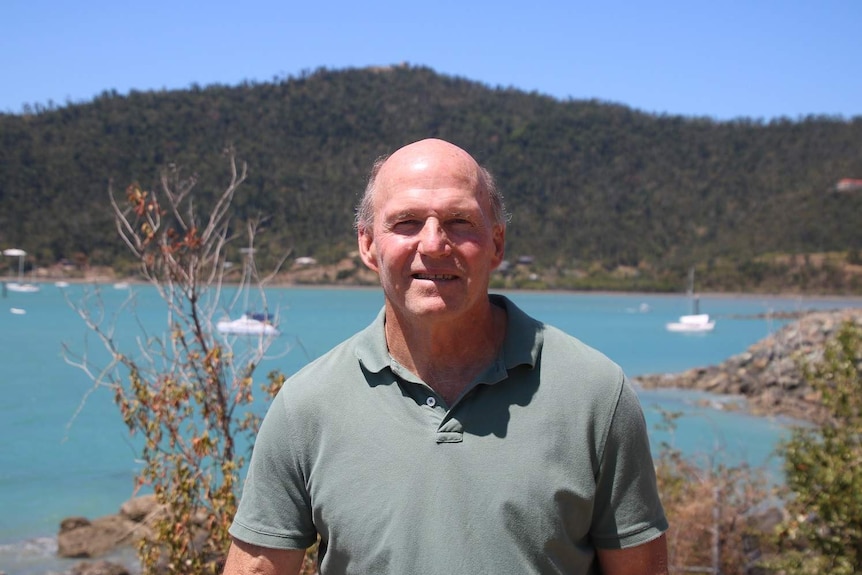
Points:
(591, 185)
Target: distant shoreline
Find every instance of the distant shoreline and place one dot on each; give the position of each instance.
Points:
(133, 281)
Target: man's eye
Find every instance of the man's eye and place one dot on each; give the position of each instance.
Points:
(405, 225)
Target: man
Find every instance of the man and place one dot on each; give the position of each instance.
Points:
(455, 434)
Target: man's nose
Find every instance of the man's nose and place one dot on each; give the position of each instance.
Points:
(433, 240)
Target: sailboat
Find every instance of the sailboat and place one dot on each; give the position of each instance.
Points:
(249, 323)
(695, 321)
(20, 285)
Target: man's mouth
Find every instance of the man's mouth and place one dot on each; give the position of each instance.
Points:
(433, 277)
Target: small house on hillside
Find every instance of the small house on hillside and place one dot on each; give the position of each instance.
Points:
(848, 185)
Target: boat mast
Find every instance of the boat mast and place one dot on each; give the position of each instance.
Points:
(695, 301)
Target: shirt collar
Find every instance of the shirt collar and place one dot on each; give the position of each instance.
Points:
(522, 345)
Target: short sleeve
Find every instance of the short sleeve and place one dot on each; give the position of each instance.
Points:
(627, 511)
(274, 510)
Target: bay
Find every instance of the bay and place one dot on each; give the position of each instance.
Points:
(67, 453)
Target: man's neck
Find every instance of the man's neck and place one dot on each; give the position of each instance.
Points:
(447, 355)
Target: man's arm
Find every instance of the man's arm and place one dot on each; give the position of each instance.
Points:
(647, 559)
(247, 559)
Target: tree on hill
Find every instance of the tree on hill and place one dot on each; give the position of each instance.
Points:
(590, 184)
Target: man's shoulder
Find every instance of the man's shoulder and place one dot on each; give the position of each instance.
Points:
(339, 359)
(559, 350)
(341, 366)
(563, 346)
(573, 367)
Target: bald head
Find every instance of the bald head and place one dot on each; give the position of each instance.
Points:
(433, 158)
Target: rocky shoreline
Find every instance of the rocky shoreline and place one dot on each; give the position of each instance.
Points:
(768, 374)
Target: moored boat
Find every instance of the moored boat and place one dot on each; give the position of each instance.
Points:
(249, 324)
(20, 286)
(695, 321)
(692, 323)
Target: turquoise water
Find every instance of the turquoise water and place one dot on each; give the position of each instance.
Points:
(63, 455)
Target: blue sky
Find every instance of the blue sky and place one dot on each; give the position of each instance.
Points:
(757, 59)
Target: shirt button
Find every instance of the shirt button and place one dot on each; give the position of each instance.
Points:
(430, 402)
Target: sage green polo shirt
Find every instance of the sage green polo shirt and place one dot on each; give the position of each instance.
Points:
(543, 458)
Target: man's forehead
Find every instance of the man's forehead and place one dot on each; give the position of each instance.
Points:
(429, 179)
(444, 200)
(429, 172)
(428, 175)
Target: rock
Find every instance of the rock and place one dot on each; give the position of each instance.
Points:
(71, 523)
(85, 538)
(138, 508)
(99, 568)
(97, 537)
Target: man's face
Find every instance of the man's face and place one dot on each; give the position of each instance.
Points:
(434, 242)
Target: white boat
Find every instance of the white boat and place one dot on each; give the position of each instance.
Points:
(695, 321)
(692, 323)
(20, 285)
(249, 324)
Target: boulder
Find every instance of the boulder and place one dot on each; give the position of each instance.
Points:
(84, 538)
(139, 508)
(96, 537)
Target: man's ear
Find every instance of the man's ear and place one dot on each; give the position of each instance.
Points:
(367, 251)
(499, 238)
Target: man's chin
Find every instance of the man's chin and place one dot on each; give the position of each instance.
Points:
(428, 304)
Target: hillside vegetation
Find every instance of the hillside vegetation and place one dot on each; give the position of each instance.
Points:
(602, 196)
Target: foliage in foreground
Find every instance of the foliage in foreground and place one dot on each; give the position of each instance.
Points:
(824, 470)
(185, 393)
(715, 512)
